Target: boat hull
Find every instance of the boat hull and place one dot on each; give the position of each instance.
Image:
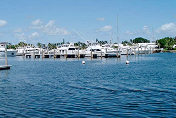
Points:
(9, 53)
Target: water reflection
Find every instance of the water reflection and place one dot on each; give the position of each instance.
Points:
(4, 74)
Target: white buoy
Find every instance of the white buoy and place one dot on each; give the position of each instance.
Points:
(127, 62)
(83, 62)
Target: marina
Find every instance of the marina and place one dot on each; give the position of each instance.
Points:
(87, 59)
(93, 50)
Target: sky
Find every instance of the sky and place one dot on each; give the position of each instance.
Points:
(45, 21)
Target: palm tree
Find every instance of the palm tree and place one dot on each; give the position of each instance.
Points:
(39, 45)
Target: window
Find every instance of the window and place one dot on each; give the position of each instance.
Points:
(71, 49)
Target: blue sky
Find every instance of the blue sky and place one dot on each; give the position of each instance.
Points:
(46, 21)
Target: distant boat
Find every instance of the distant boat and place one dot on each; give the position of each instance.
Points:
(103, 50)
(27, 50)
(67, 49)
(10, 52)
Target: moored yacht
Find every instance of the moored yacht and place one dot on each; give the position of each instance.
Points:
(69, 50)
(101, 50)
(109, 51)
(93, 48)
(27, 50)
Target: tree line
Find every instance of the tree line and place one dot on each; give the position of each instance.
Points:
(136, 40)
(166, 43)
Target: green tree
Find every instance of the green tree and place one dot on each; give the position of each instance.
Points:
(83, 46)
(126, 43)
(166, 43)
(96, 40)
(140, 40)
(22, 44)
(10, 46)
(101, 42)
(51, 46)
(39, 45)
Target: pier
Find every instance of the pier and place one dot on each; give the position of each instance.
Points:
(93, 55)
(92, 51)
(5, 67)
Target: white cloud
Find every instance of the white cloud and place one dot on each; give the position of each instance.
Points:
(20, 36)
(146, 30)
(37, 22)
(170, 27)
(56, 31)
(25, 36)
(3, 23)
(49, 28)
(100, 19)
(34, 35)
(105, 28)
(50, 23)
(17, 30)
(129, 33)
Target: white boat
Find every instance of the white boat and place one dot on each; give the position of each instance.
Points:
(124, 50)
(10, 52)
(104, 50)
(94, 48)
(28, 50)
(69, 49)
(109, 51)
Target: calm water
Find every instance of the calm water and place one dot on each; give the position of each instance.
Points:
(100, 88)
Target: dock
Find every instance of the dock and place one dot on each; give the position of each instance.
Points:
(5, 67)
(73, 55)
(92, 55)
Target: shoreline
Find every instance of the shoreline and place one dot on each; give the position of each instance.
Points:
(173, 51)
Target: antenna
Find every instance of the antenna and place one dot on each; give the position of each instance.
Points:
(152, 34)
(79, 34)
(117, 29)
(111, 38)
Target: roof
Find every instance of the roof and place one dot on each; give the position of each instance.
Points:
(4, 43)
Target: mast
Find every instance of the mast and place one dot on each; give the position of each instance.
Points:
(153, 37)
(6, 62)
(117, 29)
(118, 33)
(111, 37)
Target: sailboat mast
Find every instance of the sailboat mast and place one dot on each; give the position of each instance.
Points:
(111, 37)
(117, 30)
(153, 37)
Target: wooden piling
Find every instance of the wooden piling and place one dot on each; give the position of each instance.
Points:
(94, 55)
(91, 54)
(6, 61)
(54, 54)
(78, 54)
(138, 50)
(101, 54)
(127, 52)
(66, 53)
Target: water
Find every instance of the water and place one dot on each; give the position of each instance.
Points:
(100, 88)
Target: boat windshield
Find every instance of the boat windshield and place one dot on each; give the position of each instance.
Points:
(71, 49)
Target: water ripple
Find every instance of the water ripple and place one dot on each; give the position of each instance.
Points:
(100, 88)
